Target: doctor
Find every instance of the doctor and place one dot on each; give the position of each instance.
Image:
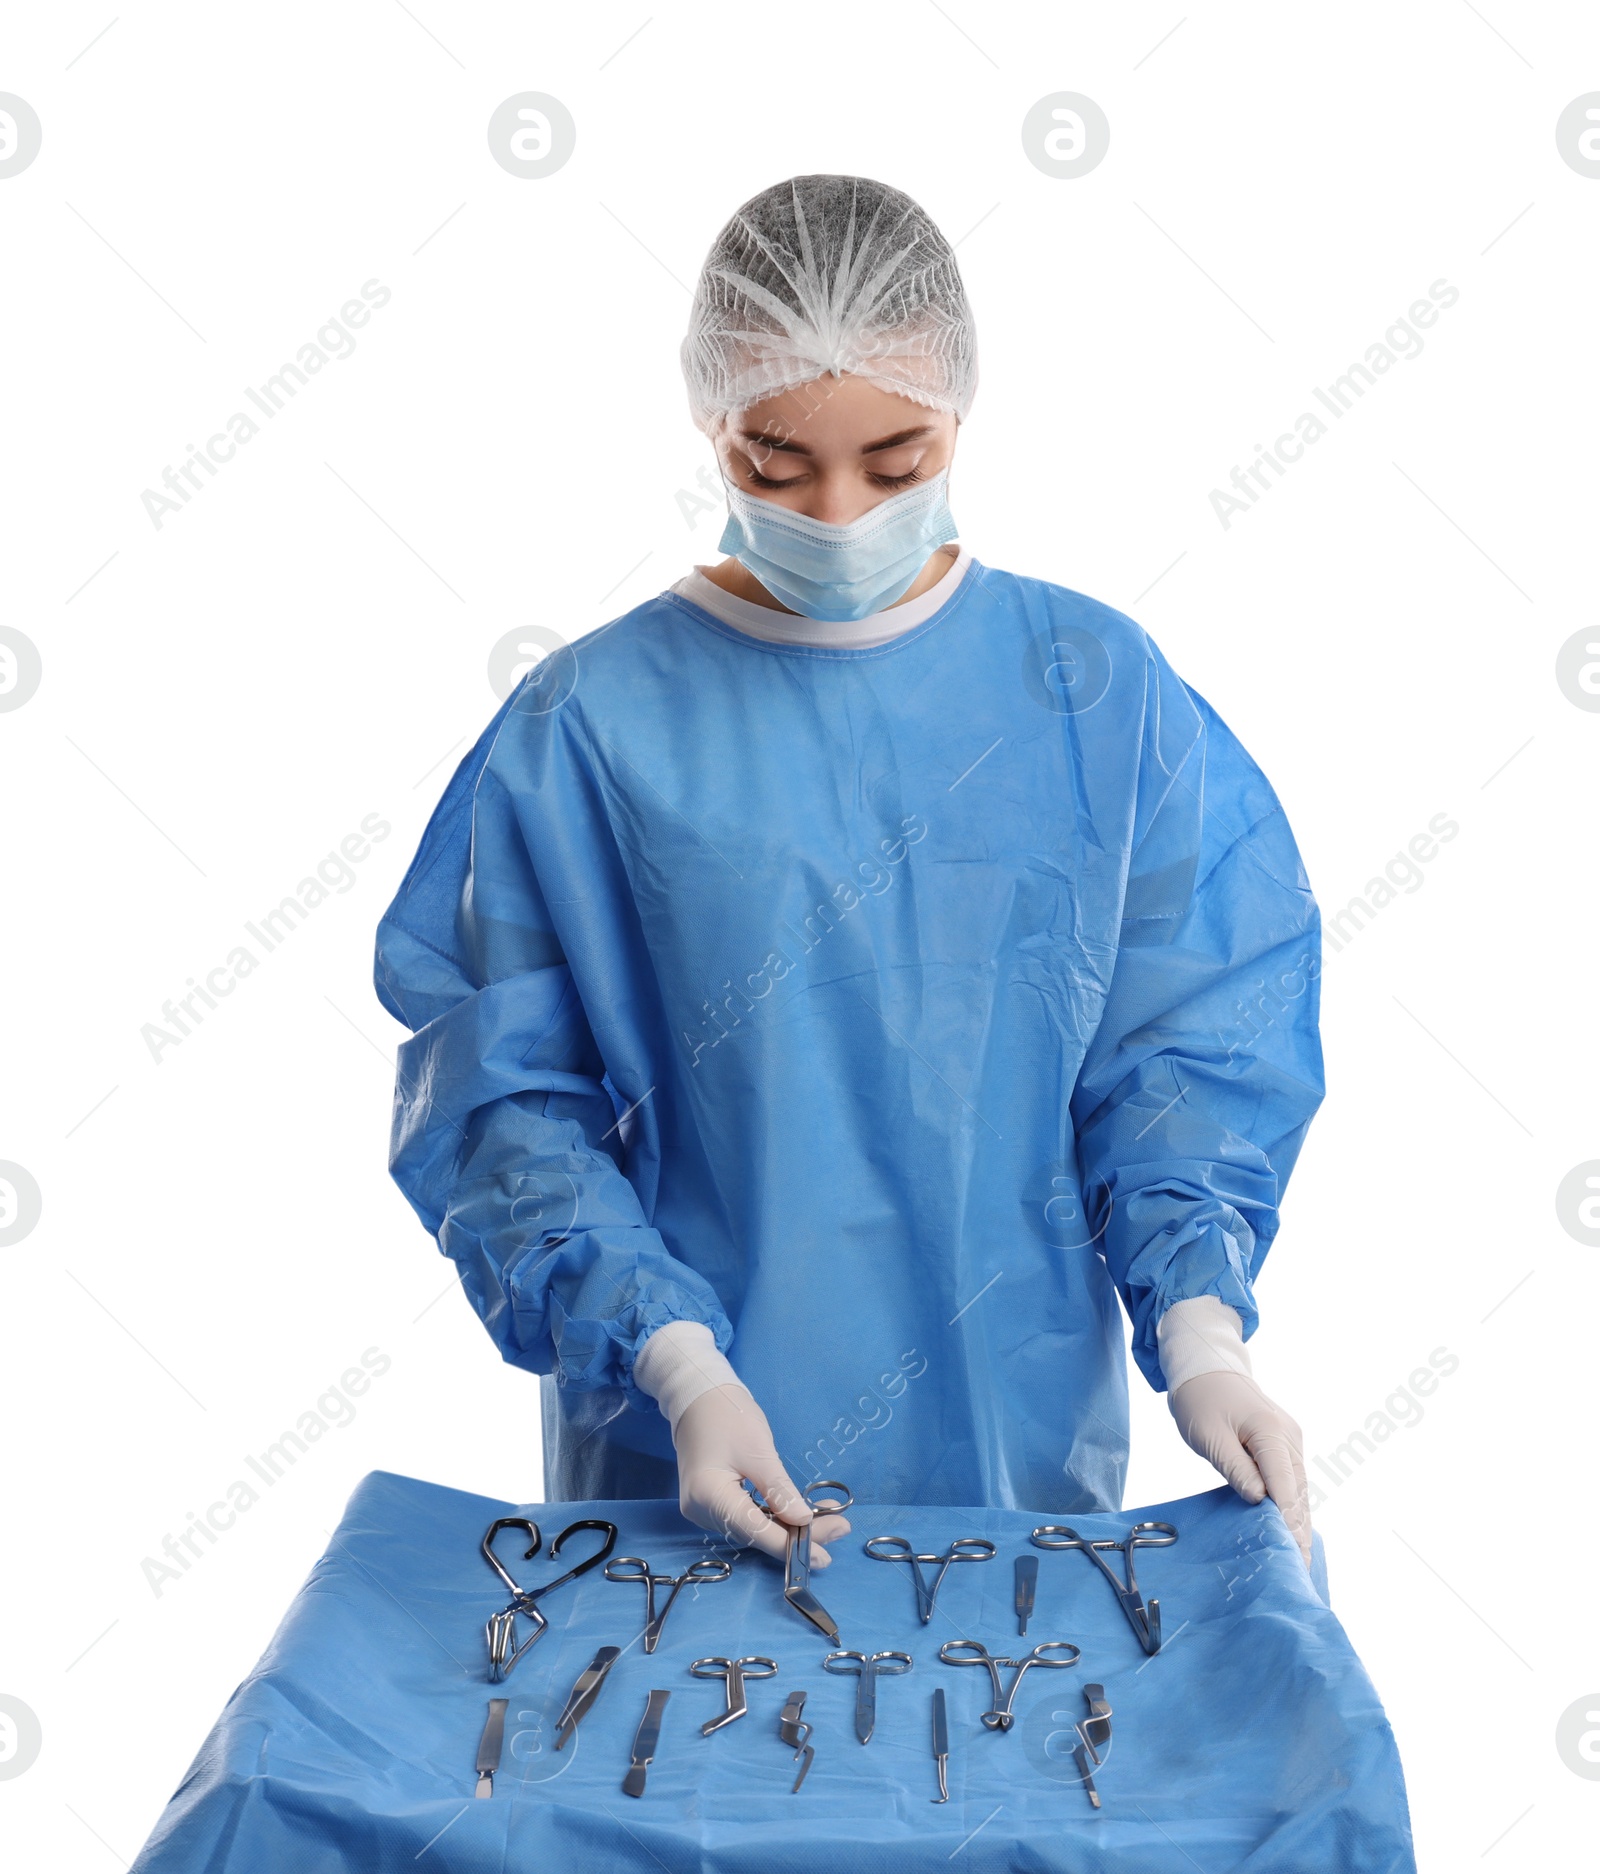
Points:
(838, 980)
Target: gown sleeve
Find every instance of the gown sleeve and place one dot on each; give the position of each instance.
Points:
(505, 1136)
(1206, 1066)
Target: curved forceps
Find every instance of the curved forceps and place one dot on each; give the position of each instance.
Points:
(1144, 1617)
(635, 1568)
(733, 1673)
(897, 1549)
(974, 1653)
(500, 1632)
(867, 1666)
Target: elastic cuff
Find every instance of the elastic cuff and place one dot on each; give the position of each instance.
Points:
(679, 1362)
(1201, 1335)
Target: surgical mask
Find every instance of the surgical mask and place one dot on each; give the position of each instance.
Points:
(837, 571)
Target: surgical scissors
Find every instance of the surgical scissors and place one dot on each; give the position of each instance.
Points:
(635, 1568)
(1143, 1617)
(867, 1666)
(501, 1630)
(733, 1673)
(797, 1553)
(974, 1653)
(897, 1549)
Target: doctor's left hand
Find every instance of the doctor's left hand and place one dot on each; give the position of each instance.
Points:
(1232, 1423)
(723, 1440)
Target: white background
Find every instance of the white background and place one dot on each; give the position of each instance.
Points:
(306, 644)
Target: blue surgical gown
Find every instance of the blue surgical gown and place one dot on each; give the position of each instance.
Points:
(890, 1011)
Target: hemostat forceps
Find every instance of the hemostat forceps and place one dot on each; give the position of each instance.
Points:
(974, 1653)
(635, 1568)
(501, 1630)
(897, 1549)
(1143, 1617)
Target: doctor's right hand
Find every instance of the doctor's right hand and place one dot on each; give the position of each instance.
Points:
(723, 1440)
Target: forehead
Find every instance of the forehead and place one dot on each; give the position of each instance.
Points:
(843, 414)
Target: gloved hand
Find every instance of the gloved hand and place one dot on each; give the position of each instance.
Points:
(1232, 1423)
(723, 1437)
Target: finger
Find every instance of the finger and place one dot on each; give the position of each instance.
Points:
(719, 1503)
(1236, 1464)
(1277, 1454)
(826, 1529)
(782, 1498)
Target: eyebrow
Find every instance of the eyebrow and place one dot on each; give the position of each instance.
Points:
(871, 448)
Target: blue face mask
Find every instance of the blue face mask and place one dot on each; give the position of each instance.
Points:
(832, 570)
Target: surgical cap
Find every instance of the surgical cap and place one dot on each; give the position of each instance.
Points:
(829, 274)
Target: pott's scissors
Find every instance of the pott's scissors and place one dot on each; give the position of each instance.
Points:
(867, 1666)
(974, 1653)
(897, 1549)
(501, 1631)
(797, 1553)
(634, 1568)
(1143, 1617)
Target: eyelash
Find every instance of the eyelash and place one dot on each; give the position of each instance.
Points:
(883, 481)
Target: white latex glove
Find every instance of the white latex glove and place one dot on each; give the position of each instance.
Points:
(723, 1438)
(1232, 1423)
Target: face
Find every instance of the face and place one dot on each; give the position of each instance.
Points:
(835, 447)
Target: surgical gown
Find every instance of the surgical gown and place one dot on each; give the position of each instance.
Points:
(891, 1011)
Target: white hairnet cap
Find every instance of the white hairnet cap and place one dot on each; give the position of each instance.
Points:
(829, 274)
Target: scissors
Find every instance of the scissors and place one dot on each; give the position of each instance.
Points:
(1144, 1618)
(897, 1549)
(797, 1553)
(501, 1630)
(634, 1568)
(974, 1653)
(867, 1666)
(733, 1673)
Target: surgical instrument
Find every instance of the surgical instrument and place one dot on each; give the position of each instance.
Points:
(797, 1554)
(634, 1568)
(897, 1549)
(501, 1630)
(1144, 1618)
(733, 1673)
(867, 1667)
(489, 1746)
(1093, 1731)
(941, 1744)
(1027, 1586)
(974, 1653)
(794, 1730)
(585, 1690)
(645, 1740)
